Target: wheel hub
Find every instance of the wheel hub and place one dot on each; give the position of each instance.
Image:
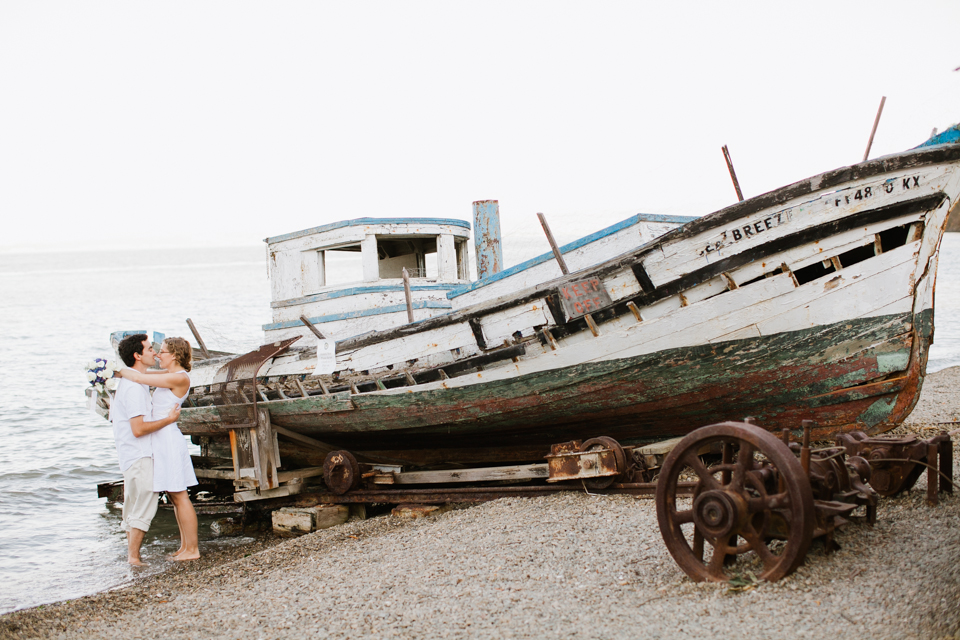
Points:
(718, 513)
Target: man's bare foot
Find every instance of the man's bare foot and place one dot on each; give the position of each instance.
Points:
(136, 562)
(187, 556)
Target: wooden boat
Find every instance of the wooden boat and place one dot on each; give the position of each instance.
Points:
(369, 295)
(814, 301)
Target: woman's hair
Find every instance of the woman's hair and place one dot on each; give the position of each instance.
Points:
(181, 351)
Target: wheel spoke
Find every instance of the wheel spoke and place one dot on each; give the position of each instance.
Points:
(744, 464)
(683, 517)
(760, 548)
(706, 477)
(716, 562)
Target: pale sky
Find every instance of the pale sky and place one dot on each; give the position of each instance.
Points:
(219, 123)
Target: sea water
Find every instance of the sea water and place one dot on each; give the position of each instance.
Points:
(57, 539)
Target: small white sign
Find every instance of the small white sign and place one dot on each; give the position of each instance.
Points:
(326, 357)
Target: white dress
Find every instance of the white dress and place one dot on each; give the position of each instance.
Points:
(172, 467)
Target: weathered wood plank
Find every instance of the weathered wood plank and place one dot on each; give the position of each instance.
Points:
(483, 474)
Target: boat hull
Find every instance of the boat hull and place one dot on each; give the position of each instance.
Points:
(814, 302)
(824, 374)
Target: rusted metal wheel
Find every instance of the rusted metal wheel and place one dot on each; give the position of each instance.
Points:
(757, 501)
(341, 472)
(604, 442)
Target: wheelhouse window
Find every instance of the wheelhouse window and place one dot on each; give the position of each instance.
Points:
(417, 254)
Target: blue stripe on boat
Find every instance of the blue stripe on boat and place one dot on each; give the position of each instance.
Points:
(950, 136)
(421, 304)
(567, 248)
(356, 291)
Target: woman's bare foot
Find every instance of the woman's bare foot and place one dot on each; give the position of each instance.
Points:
(187, 556)
(136, 562)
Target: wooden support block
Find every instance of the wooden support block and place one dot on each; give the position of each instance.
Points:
(358, 511)
(279, 389)
(683, 300)
(835, 261)
(353, 389)
(242, 452)
(266, 454)
(443, 374)
(635, 311)
(380, 385)
(291, 489)
(329, 515)
(877, 245)
(291, 521)
(412, 511)
(410, 379)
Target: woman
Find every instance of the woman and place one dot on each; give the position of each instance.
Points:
(173, 469)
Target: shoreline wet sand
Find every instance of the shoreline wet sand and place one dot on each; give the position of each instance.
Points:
(565, 565)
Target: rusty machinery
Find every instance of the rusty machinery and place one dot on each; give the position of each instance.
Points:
(725, 490)
(772, 498)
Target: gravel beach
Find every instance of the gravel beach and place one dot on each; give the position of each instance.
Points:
(569, 565)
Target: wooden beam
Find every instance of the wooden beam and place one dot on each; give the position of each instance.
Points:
(303, 389)
(594, 329)
(876, 121)
(323, 386)
(265, 454)
(280, 492)
(550, 339)
(196, 335)
(482, 474)
(553, 244)
(308, 472)
(733, 174)
(302, 439)
(309, 325)
(728, 279)
(215, 474)
(407, 295)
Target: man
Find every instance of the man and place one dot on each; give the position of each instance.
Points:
(131, 432)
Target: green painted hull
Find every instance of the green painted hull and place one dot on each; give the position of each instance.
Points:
(859, 374)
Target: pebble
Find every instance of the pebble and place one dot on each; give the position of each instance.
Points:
(567, 565)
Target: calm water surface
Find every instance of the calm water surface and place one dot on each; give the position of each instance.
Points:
(59, 540)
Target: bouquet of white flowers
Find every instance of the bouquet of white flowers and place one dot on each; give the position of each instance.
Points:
(100, 375)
